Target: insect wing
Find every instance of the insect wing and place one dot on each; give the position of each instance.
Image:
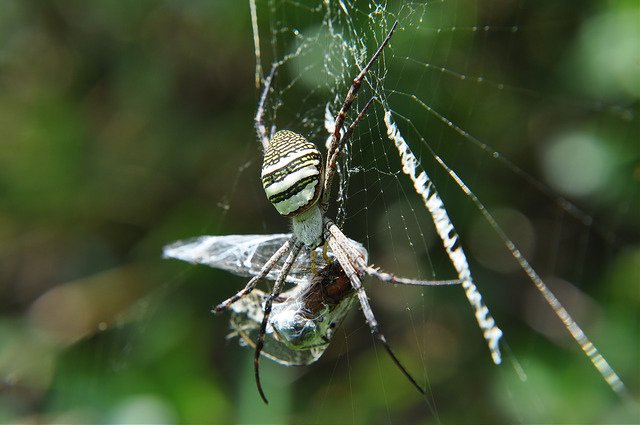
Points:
(244, 255)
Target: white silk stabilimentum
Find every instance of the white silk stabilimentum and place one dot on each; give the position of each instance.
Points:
(425, 188)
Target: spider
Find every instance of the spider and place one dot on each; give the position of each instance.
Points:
(299, 187)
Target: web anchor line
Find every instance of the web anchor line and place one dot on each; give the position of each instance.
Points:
(425, 188)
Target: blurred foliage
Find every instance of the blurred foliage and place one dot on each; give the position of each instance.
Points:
(127, 125)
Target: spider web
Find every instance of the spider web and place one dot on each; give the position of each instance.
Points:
(487, 88)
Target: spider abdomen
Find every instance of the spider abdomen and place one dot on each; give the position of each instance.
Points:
(291, 173)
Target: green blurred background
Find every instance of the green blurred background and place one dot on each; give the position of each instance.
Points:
(127, 125)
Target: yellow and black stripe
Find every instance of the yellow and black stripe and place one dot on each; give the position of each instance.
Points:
(292, 173)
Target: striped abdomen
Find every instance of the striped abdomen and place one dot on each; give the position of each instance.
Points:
(292, 173)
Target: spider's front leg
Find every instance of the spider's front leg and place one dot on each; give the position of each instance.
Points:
(337, 141)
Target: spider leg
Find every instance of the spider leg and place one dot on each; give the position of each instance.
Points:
(260, 128)
(383, 276)
(314, 271)
(334, 232)
(352, 127)
(342, 255)
(327, 259)
(277, 288)
(333, 158)
(336, 139)
(393, 279)
(254, 280)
